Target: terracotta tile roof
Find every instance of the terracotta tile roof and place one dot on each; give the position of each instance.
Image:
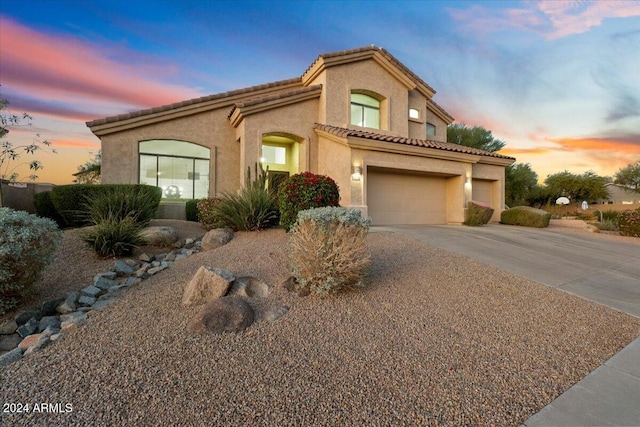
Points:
(214, 97)
(274, 97)
(426, 143)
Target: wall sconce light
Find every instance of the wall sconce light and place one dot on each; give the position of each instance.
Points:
(262, 160)
(357, 173)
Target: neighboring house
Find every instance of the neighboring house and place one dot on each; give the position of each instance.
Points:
(359, 116)
(621, 195)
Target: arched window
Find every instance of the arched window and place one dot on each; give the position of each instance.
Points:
(180, 168)
(365, 110)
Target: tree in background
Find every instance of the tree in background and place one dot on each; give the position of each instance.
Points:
(629, 176)
(476, 137)
(588, 186)
(89, 173)
(520, 181)
(9, 154)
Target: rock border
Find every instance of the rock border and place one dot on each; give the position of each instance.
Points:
(32, 330)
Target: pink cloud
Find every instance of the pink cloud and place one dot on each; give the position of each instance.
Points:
(48, 66)
(552, 18)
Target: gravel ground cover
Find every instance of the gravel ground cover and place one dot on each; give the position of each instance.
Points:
(435, 339)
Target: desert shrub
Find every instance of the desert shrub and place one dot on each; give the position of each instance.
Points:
(609, 215)
(191, 210)
(114, 236)
(526, 216)
(45, 209)
(27, 244)
(72, 201)
(327, 249)
(206, 215)
(478, 213)
(252, 208)
(119, 202)
(606, 225)
(305, 191)
(628, 223)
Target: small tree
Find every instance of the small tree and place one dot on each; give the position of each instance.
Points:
(89, 173)
(475, 137)
(10, 153)
(520, 181)
(629, 176)
(587, 186)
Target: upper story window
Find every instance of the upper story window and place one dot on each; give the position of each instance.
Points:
(431, 129)
(414, 113)
(365, 111)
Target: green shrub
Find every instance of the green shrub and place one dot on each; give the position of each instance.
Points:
(606, 225)
(478, 213)
(27, 244)
(609, 215)
(526, 216)
(628, 223)
(191, 209)
(45, 209)
(70, 201)
(206, 213)
(114, 237)
(252, 208)
(305, 191)
(118, 202)
(327, 249)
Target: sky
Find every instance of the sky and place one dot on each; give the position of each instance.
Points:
(558, 81)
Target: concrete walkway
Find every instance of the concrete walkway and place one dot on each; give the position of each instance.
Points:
(601, 270)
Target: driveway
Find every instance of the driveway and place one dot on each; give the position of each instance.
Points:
(602, 270)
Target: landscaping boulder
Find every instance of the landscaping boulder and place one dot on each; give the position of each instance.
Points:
(8, 327)
(227, 314)
(250, 287)
(160, 235)
(216, 238)
(207, 284)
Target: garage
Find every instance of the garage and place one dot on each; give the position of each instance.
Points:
(405, 197)
(482, 191)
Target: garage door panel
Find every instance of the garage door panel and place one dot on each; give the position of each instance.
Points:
(395, 198)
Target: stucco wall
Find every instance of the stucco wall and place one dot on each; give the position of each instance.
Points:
(366, 75)
(209, 129)
(334, 160)
(296, 120)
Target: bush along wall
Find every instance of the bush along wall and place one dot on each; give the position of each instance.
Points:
(327, 249)
(45, 209)
(305, 191)
(478, 213)
(27, 244)
(628, 223)
(73, 202)
(526, 216)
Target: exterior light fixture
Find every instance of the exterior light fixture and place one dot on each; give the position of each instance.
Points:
(357, 173)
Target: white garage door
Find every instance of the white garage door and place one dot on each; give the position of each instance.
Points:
(404, 198)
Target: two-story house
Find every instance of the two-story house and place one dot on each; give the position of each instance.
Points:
(359, 116)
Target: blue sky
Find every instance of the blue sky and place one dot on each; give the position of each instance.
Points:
(557, 80)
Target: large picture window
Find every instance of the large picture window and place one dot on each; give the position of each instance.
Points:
(365, 111)
(180, 168)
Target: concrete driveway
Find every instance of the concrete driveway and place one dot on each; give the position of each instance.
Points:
(601, 270)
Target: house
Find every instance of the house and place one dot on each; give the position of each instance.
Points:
(621, 195)
(359, 116)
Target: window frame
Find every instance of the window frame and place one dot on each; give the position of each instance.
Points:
(363, 108)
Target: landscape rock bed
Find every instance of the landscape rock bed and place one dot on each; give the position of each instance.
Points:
(32, 330)
(433, 339)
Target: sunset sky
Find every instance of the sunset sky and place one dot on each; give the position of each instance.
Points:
(559, 81)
